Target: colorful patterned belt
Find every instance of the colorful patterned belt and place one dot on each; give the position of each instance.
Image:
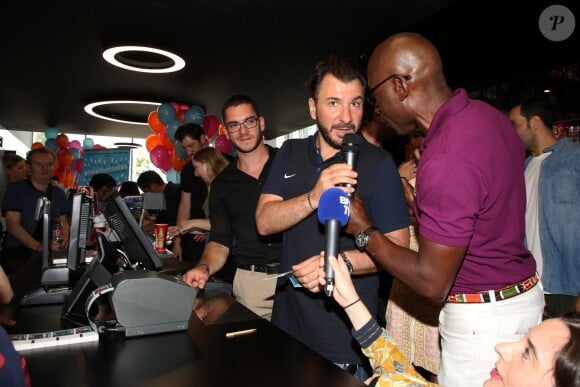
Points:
(502, 294)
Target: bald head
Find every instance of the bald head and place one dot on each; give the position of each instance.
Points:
(406, 73)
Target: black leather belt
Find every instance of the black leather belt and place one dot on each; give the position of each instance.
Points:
(268, 268)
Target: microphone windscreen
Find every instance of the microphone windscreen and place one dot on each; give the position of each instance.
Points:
(350, 142)
(334, 204)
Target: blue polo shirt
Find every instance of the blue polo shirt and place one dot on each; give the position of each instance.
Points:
(313, 318)
(22, 196)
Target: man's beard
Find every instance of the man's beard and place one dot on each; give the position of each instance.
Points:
(259, 140)
(326, 133)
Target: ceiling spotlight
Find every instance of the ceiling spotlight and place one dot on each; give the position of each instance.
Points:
(144, 59)
(122, 115)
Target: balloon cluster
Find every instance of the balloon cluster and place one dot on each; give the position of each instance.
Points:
(165, 152)
(69, 155)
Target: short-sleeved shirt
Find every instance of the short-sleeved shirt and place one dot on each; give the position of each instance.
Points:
(197, 188)
(232, 209)
(172, 194)
(313, 318)
(22, 196)
(471, 192)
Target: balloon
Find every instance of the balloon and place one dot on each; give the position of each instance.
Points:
(180, 150)
(181, 115)
(166, 112)
(168, 143)
(50, 132)
(51, 144)
(172, 128)
(160, 157)
(223, 144)
(152, 141)
(172, 175)
(36, 145)
(176, 162)
(99, 146)
(66, 158)
(88, 143)
(222, 129)
(78, 165)
(75, 144)
(154, 123)
(210, 124)
(68, 177)
(62, 141)
(194, 114)
(75, 152)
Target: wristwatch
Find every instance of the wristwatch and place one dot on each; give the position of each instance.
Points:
(362, 238)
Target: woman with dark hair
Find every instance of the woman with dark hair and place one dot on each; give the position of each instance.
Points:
(548, 356)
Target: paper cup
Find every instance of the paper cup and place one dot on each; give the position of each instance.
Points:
(160, 235)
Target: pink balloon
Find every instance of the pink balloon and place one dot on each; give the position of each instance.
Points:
(76, 144)
(210, 125)
(159, 156)
(223, 144)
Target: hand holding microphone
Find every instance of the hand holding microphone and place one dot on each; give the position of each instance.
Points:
(333, 212)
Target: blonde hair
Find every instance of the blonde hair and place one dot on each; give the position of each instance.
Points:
(214, 159)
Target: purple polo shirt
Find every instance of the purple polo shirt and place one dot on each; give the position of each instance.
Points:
(471, 192)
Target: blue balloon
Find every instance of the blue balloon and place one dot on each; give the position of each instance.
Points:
(172, 176)
(180, 150)
(51, 144)
(166, 112)
(172, 128)
(88, 143)
(194, 115)
(75, 152)
(51, 132)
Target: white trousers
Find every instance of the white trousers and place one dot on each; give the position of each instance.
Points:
(469, 333)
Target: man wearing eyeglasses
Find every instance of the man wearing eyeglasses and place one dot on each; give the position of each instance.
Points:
(470, 205)
(302, 170)
(232, 204)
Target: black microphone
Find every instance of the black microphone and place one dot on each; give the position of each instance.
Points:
(333, 212)
(350, 151)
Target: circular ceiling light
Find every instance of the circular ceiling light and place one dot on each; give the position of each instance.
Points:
(128, 111)
(144, 59)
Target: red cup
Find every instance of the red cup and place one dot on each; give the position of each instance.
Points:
(160, 235)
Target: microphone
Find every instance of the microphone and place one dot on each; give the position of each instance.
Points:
(350, 151)
(333, 212)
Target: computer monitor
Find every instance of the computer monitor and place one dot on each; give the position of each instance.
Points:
(81, 227)
(135, 244)
(136, 253)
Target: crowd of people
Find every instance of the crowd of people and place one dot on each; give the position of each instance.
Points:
(476, 227)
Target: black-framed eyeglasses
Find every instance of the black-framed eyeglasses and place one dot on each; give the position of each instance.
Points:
(372, 90)
(249, 123)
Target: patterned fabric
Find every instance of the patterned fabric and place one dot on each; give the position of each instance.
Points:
(502, 294)
(392, 366)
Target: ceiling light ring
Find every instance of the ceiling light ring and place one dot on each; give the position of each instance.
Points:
(110, 56)
(90, 109)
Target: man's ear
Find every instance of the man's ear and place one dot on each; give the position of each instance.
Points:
(536, 123)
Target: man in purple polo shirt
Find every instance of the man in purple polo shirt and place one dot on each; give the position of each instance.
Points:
(470, 205)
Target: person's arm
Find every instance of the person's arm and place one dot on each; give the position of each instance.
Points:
(213, 258)
(65, 231)
(15, 229)
(273, 214)
(430, 273)
(182, 215)
(6, 292)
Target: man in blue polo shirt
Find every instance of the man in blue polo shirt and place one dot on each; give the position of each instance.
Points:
(23, 231)
(302, 170)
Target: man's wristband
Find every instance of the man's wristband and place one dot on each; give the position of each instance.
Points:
(206, 267)
(347, 261)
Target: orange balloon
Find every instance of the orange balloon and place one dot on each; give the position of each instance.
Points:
(177, 162)
(155, 123)
(168, 143)
(68, 178)
(222, 129)
(152, 141)
(66, 158)
(36, 145)
(62, 141)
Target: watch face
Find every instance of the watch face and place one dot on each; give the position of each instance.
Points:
(361, 240)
